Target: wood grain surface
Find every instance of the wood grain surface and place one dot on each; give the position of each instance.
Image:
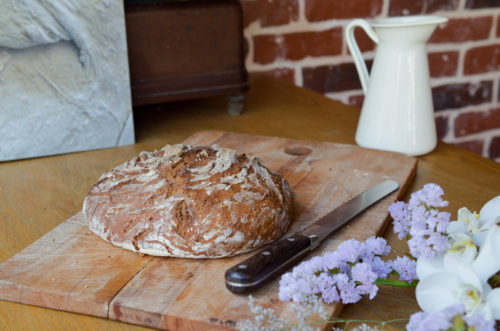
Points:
(72, 269)
(68, 269)
(36, 195)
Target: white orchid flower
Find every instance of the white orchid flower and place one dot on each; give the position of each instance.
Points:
(426, 267)
(450, 279)
(491, 210)
(467, 223)
(461, 247)
(476, 225)
(487, 262)
(489, 216)
(459, 284)
(464, 235)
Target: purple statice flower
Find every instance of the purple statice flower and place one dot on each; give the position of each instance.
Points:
(427, 322)
(442, 221)
(331, 261)
(437, 241)
(302, 282)
(401, 215)
(435, 321)
(363, 275)
(376, 246)
(426, 242)
(453, 310)
(294, 288)
(328, 288)
(405, 267)
(422, 222)
(350, 250)
(430, 195)
(380, 267)
(343, 275)
(418, 247)
(479, 323)
(347, 288)
(443, 320)
(415, 320)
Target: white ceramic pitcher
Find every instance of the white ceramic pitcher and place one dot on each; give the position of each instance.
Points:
(397, 113)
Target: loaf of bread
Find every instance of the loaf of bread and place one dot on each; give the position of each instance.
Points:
(193, 202)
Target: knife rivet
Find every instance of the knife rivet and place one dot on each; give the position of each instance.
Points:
(291, 239)
(266, 253)
(242, 266)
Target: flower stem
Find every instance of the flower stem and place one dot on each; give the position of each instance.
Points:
(353, 321)
(398, 283)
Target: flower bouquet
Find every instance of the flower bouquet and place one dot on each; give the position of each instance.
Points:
(454, 266)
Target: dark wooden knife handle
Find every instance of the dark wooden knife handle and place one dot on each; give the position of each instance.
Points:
(267, 263)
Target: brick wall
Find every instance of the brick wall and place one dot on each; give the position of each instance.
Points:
(301, 41)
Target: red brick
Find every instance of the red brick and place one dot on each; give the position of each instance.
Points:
(286, 74)
(474, 146)
(332, 78)
(265, 49)
(412, 7)
(482, 59)
(441, 126)
(270, 13)
(494, 149)
(320, 10)
(296, 46)
(482, 4)
(364, 42)
(405, 7)
(443, 64)
(357, 100)
(432, 6)
(473, 122)
(320, 43)
(463, 29)
(462, 94)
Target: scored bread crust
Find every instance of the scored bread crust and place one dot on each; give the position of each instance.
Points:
(193, 202)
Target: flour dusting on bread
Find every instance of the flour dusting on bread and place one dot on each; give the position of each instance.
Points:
(185, 201)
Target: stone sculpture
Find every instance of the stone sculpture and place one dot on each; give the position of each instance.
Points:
(64, 78)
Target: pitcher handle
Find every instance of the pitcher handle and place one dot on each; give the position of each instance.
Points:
(360, 64)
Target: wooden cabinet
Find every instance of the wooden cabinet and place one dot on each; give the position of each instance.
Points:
(186, 49)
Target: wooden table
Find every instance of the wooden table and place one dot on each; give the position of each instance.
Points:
(38, 194)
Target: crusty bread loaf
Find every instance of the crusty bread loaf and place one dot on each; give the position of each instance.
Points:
(184, 201)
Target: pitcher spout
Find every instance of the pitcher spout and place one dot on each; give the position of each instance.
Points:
(407, 29)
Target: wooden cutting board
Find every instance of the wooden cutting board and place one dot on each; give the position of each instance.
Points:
(72, 269)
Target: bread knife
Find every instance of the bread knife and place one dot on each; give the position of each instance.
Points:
(275, 258)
